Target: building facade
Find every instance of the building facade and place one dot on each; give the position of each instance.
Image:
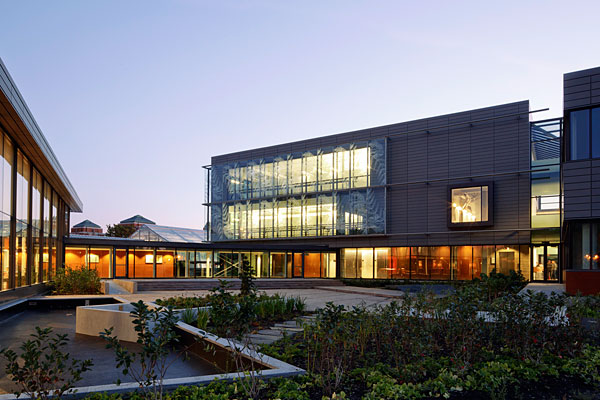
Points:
(443, 198)
(37, 198)
(87, 227)
(581, 179)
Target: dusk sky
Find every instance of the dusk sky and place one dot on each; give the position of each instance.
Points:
(135, 96)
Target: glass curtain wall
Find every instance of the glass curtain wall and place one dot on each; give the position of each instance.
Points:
(433, 263)
(545, 180)
(21, 225)
(36, 225)
(6, 212)
(316, 193)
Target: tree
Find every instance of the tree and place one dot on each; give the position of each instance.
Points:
(118, 230)
(248, 287)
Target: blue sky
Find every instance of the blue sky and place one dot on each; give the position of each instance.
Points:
(135, 96)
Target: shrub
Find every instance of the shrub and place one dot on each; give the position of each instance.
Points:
(45, 370)
(156, 335)
(76, 281)
(189, 316)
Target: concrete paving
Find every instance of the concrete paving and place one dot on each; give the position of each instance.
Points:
(314, 298)
(547, 288)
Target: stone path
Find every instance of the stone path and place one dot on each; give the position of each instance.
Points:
(273, 334)
(546, 288)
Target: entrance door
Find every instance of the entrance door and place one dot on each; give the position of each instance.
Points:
(545, 263)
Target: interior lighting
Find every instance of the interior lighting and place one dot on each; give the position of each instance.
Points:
(587, 257)
(596, 257)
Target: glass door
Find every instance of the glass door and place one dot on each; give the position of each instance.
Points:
(121, 263)
(552, 263)
(545, 263)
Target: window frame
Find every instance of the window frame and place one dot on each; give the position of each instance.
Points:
(490, 205)
(567, 134)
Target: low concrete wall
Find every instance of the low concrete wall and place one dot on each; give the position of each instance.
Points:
(586, 282)
(23, 292)
(91, 320)
(127, 285)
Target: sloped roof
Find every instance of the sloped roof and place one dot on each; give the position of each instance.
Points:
(163, 233)
(137, 219)
(87, 224)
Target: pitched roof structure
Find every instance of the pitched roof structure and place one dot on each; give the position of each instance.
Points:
(160, 233)
(86, 224)
(137, 219)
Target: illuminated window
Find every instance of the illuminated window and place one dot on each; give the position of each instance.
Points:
(470, 205)
(150, 259)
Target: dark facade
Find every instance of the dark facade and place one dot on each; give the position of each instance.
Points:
(424, 161)
(581, 176)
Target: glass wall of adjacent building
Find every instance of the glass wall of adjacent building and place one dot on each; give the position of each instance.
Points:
(29, 237)
(162, 262)
(325, 192)
(433, 263)
(584, 248)
(546, 201)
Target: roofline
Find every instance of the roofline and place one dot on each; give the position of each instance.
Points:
(26, 122)
(378, 127)
(125, 242)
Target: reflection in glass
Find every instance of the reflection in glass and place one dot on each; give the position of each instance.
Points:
(301, 175)
(365, 263)
(579, 134)
(348, 263)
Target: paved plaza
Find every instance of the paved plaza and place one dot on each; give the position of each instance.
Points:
(314, 298)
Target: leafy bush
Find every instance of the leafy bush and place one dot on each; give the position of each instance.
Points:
(45, 370)
(178, 302)
(76, 281)
(497, 284)
(156, 335)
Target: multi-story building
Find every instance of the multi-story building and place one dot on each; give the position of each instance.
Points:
(36, 198)
(442, 198)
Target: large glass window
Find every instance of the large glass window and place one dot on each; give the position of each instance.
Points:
(596, 132)
(584, 245)
(584, 134)
(579, 134)
(470, 205)
(300, 175)
(7, 165)
(348, 263)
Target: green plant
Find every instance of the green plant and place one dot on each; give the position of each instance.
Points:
(46, 370)
(76, 281)
(248, 287)
(156, 335)
(203, 318)
(189, 316)
(497, 284)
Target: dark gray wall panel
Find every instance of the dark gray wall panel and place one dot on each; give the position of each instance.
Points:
(445, 153)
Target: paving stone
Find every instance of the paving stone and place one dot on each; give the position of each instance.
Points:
(270, 332)
(261, 339)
